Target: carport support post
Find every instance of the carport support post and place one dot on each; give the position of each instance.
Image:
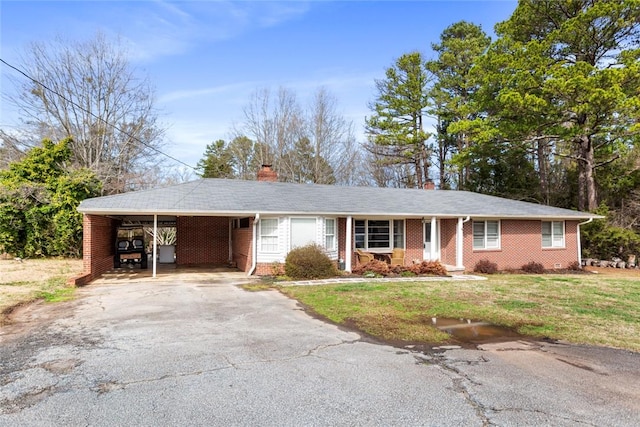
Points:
(155, 242)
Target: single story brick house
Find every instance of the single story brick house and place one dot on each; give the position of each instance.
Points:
(254, 224)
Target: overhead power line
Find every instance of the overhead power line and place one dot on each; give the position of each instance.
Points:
(157, 150)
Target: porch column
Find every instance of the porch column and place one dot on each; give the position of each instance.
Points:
(155, 242)
(230, 241)
(348, 246)
(459, 244)
(433, 239)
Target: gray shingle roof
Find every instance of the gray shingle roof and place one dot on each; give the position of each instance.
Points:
(238, 198)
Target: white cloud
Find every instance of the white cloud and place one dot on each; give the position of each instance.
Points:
(274, 13)
(180, 95)
(163, 28)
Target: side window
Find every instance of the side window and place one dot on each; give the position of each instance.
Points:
(553, 234)
(330, 234)
(269, 235)
(486, 234)
(360, 233)
(398, 233)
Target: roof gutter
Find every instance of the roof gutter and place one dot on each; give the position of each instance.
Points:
(178, 212)
(254, 257)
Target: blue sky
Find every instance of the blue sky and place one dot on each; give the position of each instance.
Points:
(206, 58)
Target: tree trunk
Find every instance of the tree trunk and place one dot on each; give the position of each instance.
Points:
(587, 197)
(543, 169)
(442, 155)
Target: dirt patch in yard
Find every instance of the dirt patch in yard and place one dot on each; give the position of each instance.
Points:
(22, 282)
(36, 270)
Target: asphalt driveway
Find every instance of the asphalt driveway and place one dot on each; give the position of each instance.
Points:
(209, 353)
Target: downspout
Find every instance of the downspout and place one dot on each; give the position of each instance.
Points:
(254, 256)
(580, 243)
(460, 242)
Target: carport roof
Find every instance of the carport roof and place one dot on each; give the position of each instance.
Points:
(224, 197)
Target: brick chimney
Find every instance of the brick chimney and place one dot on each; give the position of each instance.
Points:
(267, 174)
(429, 185)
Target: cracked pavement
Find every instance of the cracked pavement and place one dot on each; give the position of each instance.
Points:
(170, 353)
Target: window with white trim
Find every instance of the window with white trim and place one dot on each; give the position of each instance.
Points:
(378, 233)
(553, 234)
(398, 233)
(330, 234)
(486, 234)
(269, 235)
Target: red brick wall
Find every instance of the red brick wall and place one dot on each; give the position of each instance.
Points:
(521, 242)
(267, 269)
(202, 240)
(243, 246)
(414, 241)
(264, 269)
(448, 241)
(98, 240)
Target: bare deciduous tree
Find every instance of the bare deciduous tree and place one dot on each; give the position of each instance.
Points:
(90, 92)
(315, 145)
(333, 140)
(11, 149)
(274, 124)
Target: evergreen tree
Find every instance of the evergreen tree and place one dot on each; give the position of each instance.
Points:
(461, 44)
(217, 162)
(562, 82)
(396, 129)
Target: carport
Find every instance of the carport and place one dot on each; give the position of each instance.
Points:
(214, 225)
(200, 240)
(209, 239)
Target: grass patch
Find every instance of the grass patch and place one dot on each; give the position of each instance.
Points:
(56, 290)
(580, 309)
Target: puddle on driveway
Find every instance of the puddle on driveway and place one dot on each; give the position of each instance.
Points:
(468, 331)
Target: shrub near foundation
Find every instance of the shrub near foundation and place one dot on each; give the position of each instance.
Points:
(533, 268)
(377, 267)
(485, 266)
(381, 268)
(430, 268)
(309, 262)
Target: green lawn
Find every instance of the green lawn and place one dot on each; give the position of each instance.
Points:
(585, 309)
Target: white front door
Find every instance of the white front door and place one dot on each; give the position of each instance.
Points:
(431, 251)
